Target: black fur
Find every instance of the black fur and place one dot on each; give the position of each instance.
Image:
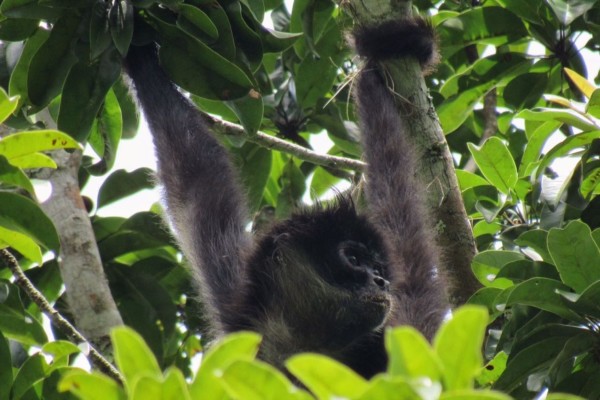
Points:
(398, 38)
(326, 280)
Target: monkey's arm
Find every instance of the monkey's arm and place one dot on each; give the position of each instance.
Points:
(204, 201)
(392, 193)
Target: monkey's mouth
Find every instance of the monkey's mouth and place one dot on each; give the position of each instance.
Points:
(380, 299)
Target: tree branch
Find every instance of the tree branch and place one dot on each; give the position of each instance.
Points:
(225, 128)
(88, 295)
(57, 319)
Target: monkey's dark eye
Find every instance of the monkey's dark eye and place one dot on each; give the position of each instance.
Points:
(353, 260)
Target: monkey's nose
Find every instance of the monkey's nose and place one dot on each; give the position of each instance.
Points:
(382, 283)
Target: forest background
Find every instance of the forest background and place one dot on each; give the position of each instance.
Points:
(517, 119)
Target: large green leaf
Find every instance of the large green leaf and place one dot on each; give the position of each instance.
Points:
(15, 322)
(6, 373)
(20, 214)
(133, 356)
(325, 377)
(254, 163)
(384, 387)
(542, 293)
(106, 134)
(496, 164)
(410, 355)
(575, 255)
(91, 386)
(50, 65)
(487, 264)
(458, 346)
(12, 175)
(190, 63)
(21, 243)
(121, 184)
(84, 92)
(21, 144)
(253, 380)
(238, 346)
(31, 372)
(566, 146)
(173, 386)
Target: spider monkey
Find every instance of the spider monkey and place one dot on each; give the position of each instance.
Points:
(328, 279)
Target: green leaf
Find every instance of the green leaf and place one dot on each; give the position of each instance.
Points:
(458, 346)
(52, 62)
(467, 180)
(237, 346)
(526, 90)
(587, 302)
(568, 117)
(383, 387)
(487, 264)
(60, 349)
(172, 387)
(25, 143)
(32, 371)
(120, 19)
(325, 377)
(84, 92)
(100, 39)
(187, 61)
(28, 9)
(6, 373)
(529, 361)
(20, 214)
(91, 386)
(496, 164)
(563, 396)
(14, 176)
(254, 164)
(195, 21)
(536, 239)
(8, 105)
(15, 322)
(528, 10)
(34, 160)
(17, 85)
(542, 293)
(566, 146)
(568, 10)
(315, 75)
(13, 30)
(492, 370)
(575, 255)
(121, 184)
(474, 395)
(249, 110)
(106, 134)
(410, 355)
(253, 380)
(535, 143)
(22, 243)
(133, 356)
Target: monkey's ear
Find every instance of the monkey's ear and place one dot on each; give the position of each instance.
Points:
(407, 37)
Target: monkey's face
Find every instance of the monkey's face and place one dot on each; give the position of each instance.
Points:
(362, 271)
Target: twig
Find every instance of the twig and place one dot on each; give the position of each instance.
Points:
(57, 319)
(271, 142)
